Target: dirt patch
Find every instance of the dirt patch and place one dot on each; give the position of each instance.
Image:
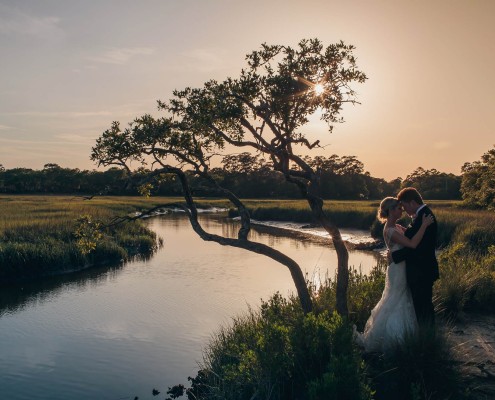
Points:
(473, 344)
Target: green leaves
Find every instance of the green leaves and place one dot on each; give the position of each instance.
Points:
(87, 233)
(478, 182)
(265, 108)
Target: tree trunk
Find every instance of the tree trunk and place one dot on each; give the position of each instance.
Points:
(316, 205)
(243, 243)
(310, 191)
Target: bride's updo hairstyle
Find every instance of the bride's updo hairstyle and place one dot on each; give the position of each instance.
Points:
(387, 204)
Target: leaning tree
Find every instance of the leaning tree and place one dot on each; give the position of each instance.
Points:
(264, 110)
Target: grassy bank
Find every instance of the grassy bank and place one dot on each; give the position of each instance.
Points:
(38, 234)
(346, 214)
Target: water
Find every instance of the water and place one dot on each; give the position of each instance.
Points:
(115, 333)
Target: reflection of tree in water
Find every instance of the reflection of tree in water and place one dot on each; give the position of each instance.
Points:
(274, 235)
(230, 228)
(18, 296)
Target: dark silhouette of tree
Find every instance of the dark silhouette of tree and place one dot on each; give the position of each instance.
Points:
(478, 182)
(265, 110)
(247, 174)
(433, 184)
(21, 180)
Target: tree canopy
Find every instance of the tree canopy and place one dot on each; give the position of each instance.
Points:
(433, 184)
(478, 182)
(265, 109)
(249, 175)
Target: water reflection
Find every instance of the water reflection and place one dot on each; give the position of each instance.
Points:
(18, 296)
(116, 332)
(259, 233)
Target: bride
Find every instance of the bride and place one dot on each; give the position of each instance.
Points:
(393, 317)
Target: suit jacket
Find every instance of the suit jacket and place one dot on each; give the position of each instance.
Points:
(421, 262)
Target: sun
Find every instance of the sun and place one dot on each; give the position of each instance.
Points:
(319, 89)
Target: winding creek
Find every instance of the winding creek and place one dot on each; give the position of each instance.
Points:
(118, 332)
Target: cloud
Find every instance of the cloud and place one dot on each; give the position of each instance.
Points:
(5, 127)
(121, 56)
(205, 60)
(77, 138)
(14, 21)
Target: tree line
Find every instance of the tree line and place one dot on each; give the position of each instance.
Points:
(249, 175)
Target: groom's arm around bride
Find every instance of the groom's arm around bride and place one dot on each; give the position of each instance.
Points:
(421, 262)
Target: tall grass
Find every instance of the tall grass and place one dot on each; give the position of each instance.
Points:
(346, 214)
(467, 281)
(277, 352)
(37, 234)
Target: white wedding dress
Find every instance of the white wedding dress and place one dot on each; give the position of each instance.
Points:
(393, 317)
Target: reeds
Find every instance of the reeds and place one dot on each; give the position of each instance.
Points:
(37, 234)
(345, 214)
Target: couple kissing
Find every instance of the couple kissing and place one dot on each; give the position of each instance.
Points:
(406, 304)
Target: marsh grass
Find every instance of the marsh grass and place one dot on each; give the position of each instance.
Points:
(468, 280)
(346, 214)
(454, 222)
(37, 234)
(418, 368)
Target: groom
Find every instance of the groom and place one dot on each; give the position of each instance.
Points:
(421, 262)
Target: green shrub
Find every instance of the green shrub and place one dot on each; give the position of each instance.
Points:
(467, 280)
(364, 291)
(278, 352)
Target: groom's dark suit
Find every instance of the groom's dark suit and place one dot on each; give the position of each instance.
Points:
(421, 267)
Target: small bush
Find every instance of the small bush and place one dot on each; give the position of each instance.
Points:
(467, 280)
(280, 353)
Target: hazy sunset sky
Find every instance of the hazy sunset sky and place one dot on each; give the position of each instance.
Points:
(68, 68)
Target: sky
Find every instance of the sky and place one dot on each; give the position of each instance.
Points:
(68, 68)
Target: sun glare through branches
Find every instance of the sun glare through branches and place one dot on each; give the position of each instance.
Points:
(319, 89)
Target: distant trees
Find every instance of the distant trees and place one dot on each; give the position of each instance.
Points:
(53, 179)
(433, 184)
(478, 182)
(247, 174)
